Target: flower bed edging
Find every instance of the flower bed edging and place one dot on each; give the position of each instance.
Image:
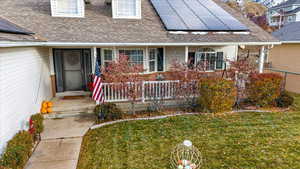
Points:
(166, 116)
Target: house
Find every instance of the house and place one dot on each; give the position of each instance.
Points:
(65, 38)
(267, 3)
(285, 57)
(284, 13)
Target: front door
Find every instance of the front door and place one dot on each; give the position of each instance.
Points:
(72, 70)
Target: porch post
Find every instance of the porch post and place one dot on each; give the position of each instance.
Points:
(186, 54)
(261, 60)
(94, 58)
(52, 72)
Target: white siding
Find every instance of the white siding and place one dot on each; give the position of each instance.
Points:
(24, 84)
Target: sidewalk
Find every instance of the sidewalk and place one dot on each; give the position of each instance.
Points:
(60, 144)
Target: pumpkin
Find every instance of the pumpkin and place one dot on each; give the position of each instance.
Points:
(44, 105)
(49, 110)
(43, 110)
(50, 104)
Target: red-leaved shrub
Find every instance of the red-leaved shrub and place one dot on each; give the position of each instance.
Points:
(263, 89)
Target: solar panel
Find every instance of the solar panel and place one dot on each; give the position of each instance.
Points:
(8, 27)
(195, 15)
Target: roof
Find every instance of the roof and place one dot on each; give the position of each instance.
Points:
(12, 32)
(286, 3)
(289, 32)
(293, 11)
(98, 26)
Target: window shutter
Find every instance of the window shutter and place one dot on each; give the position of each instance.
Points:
(160, 60)
(220, 60)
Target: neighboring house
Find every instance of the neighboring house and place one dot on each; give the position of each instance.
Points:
(284, 13)
(286, 57)
(70, 36)
(267, 3)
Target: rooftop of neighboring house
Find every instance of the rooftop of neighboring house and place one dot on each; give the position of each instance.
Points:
(99, 26)
(288, 33)
(286, 4)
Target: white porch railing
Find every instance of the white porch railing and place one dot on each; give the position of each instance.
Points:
(147, 90)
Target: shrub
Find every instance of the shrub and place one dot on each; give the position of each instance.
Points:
(284, 100)
(38, 123)
(110, 111)
(18, 151)
(216, 95)
(263, 89)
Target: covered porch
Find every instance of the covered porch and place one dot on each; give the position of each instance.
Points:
(72, 66)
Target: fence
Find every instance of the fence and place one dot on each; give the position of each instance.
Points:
(291, 79)
(146, 90)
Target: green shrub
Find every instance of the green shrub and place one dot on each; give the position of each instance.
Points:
(110, 111)
(284, 100)
(38, 123)
(216, 95)
(18, 151)
(263, 89)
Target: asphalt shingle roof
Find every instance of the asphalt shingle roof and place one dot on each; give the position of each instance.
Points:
(289, 32)
(98, 26)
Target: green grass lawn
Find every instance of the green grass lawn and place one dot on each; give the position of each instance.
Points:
(246, 140)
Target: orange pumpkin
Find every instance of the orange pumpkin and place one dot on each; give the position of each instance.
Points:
(43, 110)
(50, 104)
(44, 105)
(49, 110)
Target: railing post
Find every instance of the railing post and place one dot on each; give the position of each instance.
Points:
(143, 91)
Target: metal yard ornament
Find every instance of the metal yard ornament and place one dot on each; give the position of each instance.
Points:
(186, 156)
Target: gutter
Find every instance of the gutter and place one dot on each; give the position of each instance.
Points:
(79, 44)
(290, 42)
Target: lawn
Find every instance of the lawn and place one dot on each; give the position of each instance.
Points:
(245, 140)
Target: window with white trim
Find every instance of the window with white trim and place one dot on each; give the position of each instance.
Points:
(135, 56)
(152, 59)
(107, 57)
(67, 8)
(130, 9)
(209, 59)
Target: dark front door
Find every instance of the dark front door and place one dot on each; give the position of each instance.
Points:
(72, 67)
(73, 70)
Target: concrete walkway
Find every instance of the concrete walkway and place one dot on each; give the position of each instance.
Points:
(60, 144)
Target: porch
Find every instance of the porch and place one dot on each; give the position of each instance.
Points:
(71, 68)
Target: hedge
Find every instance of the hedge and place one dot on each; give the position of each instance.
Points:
(263, 89)
(18, 151)
(109, 111)
(216, 95)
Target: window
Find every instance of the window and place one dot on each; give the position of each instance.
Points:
(209, 60)
(107, 57)
(152, 60)
(135, 56)
(67, 8)
(130, 9)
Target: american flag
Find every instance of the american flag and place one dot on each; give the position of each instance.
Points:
(97, 84)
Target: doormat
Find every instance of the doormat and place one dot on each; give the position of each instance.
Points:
(73, 97)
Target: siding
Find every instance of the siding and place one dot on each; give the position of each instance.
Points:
(24, 84)
(286, 57)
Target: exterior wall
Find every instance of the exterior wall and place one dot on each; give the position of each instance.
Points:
(178, 53)
(286, 58)
(24, 84)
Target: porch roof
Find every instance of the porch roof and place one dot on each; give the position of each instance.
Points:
(98, 26)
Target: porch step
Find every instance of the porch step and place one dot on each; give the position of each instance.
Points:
(71, 107)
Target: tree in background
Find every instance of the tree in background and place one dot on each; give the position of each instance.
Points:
(126, 76)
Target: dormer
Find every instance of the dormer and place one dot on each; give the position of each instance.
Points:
(126, 9)
(67, 8)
